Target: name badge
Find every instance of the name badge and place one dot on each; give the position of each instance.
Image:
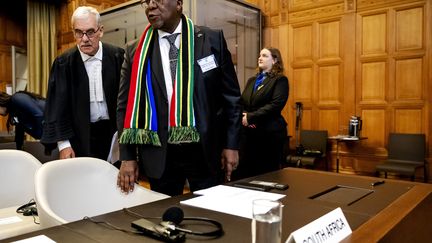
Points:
(207, 63)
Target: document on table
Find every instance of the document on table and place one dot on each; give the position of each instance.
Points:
(36, 239)
(230, 200)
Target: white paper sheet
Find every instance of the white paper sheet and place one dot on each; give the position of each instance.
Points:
(36, 239)
(230, 200)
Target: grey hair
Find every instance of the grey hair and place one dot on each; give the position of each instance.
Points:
(84, 12)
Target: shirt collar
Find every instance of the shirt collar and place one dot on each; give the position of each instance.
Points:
(98, 54)
(177, 30)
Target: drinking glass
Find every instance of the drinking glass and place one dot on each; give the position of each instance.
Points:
(266, 221)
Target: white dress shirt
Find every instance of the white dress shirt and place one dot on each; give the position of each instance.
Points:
(164, 47)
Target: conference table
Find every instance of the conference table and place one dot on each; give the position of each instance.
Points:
(395, 211)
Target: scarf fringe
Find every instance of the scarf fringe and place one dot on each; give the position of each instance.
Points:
(139, 136)
(179, 135)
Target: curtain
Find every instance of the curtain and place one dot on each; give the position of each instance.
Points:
(41, 44)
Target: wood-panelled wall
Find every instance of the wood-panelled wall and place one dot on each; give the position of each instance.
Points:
(12, 32)
(369, 58)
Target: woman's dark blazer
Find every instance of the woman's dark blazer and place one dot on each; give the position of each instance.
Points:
(264, 106)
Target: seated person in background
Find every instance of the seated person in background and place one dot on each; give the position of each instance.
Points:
(25, 112)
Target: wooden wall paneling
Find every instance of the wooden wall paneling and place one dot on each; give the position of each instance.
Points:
(410, 74)
(302, 85)
(274, 36)
(372, 78)
(328, 119)
(6, 64)
(5, 75)
(302, 36)
(329, 86)
(284, 49)
(428, 73)
(409, 120)
(302, 71)
(374, 126)
(348, 54)
(410, 28)
(335, 78)
(381, 61)
(364, 5)
(306, 122)
(266, 36)
(298, 5)
(373, 83)
(274, 8)
(409, 82)
(256, 2)
(317, 11)
(2, 28)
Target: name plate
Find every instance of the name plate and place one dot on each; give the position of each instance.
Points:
(331, 227)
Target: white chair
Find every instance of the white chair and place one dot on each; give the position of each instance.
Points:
(68, 190)
(17, 173)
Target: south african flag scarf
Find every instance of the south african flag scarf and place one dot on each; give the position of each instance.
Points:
(140, 125)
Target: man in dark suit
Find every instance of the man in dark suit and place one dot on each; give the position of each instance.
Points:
(178, 105)
(82, 92)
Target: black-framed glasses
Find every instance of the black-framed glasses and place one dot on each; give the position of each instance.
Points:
(89, 33)
(146, 3)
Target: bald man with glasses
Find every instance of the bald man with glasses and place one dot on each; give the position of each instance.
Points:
(82, 92)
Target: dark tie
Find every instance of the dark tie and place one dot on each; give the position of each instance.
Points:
(173, 54)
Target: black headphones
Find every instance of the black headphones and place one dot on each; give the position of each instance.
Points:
(28, 209)
(173, 216)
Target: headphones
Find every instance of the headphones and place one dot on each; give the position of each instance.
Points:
(28, 209)
(173, 216)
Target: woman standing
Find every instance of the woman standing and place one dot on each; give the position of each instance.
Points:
(25, 112)
(264, 128)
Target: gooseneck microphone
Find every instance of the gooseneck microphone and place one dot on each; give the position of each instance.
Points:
(169, 230)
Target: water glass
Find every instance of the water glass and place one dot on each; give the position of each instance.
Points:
(266, 221)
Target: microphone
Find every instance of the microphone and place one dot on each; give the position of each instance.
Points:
(169, 231)
(158, 231)
(173, 214)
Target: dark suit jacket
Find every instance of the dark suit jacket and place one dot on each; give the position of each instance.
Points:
(216, 103)
(67, 112)
(265, 105)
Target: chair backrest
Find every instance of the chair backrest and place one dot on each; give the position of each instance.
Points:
(314, 140)
(409, 147)
(38, 150)
(67, 190)
(17, 171)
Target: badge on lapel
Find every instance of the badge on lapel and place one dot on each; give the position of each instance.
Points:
(207, 63)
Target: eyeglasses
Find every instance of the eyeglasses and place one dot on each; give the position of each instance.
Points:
(89, 33)
(146, 3)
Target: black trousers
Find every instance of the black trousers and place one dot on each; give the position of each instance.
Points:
(184, 162)
(260, 152)
(100, 139)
